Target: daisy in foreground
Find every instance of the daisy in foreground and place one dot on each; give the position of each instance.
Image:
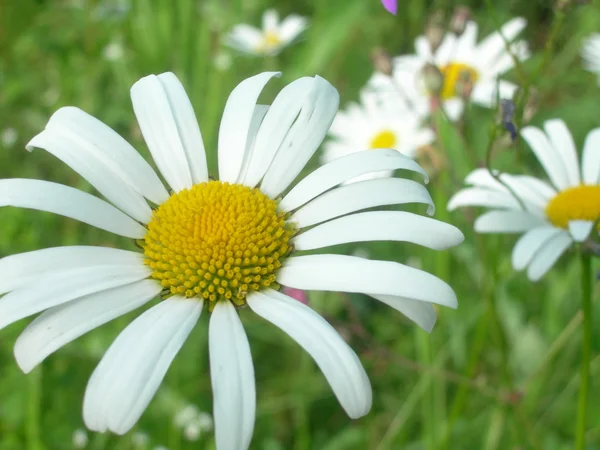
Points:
(468, 69)
(552, 218)
(377, 122)
(213, 245)
(590, 53)
(273, 37)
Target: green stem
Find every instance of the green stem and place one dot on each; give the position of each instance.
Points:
(584, 386)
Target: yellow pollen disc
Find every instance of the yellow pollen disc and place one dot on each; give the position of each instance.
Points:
(384, 139)
(270, 41)
(576, 203)
(217, 241)
(454, 73)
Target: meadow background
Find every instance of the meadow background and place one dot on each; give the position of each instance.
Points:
(500, 372)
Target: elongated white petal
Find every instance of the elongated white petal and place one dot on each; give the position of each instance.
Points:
(275, 126)
(482, 197)
(530, 243)
(62, 287)
(580, 229)
(507, 222)
(158, 122)
(590, 162)
(545, 258)
(187, 126)
(62, 324)
(547, 156)
(303, 138)
(107, 146)
(381, 226)
(235, 124)
(337, 361)
(67, 201)
(421, 313)
(353, 274)
(232, 378)
(344, 169)
(257, 117)
(492, 46)
(361, 195)
(563, 144)
(133, 367)
(24, 269)
(83, 160)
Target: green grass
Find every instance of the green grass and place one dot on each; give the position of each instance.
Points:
(500, 372)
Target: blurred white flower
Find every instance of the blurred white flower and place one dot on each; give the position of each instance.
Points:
(379, 121)
(552, 217)
(192, 431)
(222, 61)
(79, 439)
(273, 37)
(590, 52)
(205, 421)
(8, 137)
(113, 51)
(186, 415)
(139, 439)
(160, 447)
(469, 69)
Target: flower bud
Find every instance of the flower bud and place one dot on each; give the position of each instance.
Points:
(382, 61)
(459, 19)
(435, 30)
(433, 79)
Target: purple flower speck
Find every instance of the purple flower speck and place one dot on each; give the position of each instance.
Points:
(390, 5)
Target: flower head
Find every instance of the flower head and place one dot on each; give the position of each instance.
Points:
(269, 40)
(463, 62)
(213, 245)
(590, 52)
(551, 216)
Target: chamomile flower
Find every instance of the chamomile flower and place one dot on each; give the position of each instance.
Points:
(468, 68)
(273, 37)
(212, 245)
(590, 53)
(552, 217)
(379, 121)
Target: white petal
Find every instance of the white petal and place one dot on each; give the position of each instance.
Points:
(291, 27)
(187, 126)
(454, 108)
(339, 364)
(445, 52)
(67, 201)
(423, 48)
(303, 138)
(482, 197)
(58, 288)
(24, 269)
(158, 122)
(245, 39)
(270, 20)
(563, 144)
(361, 195)
(235, 124)
(82, 159)
(380, 226)
(257, 117)
(353, 274)
(110, 148)
(590, 164)
(421, 313)
(530, 243)
(545, 258)
(580, 229)
(232, 378)
(465, 46)
(62, 324)
(493, 45)
(344, 169)
(133, 367)
(486, 92)
(547, 156)
(276, 124)
(507, 222)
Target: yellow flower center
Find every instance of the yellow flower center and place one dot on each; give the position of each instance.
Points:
(384, 139)
(454, 74)
(217, 241)
(270, 41)
(575, 203)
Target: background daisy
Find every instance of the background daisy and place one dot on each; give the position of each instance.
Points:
(590, 52)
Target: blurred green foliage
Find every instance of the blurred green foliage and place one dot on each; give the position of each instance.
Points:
(468, 385)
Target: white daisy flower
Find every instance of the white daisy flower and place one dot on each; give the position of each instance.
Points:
(377, 122)
(460, 59)
(554, 216)
(213, 245)
(80, 438)
(114, 51)
(590, 52)
(273, 37)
